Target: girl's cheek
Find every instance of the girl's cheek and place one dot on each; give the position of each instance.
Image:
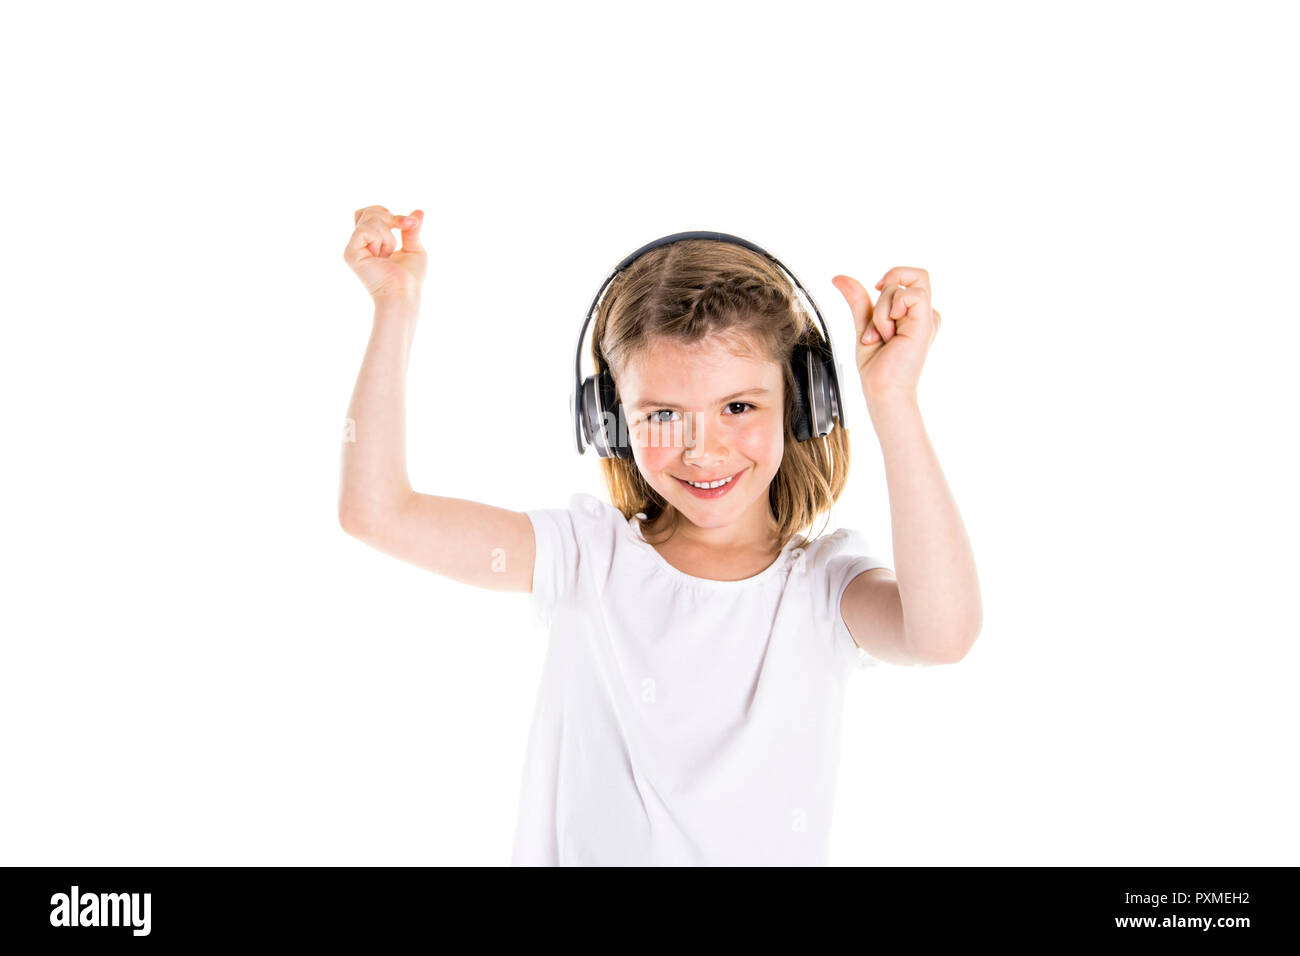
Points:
(762, 437)
(657, 438)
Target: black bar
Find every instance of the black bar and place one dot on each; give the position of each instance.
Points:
(379, 906)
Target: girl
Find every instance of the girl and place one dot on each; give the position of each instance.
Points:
(689, 712)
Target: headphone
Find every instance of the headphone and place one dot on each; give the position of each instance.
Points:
(817, 405)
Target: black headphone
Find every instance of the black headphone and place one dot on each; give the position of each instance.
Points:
(817, 405)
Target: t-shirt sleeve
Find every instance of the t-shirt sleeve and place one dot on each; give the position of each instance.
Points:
(848, 561)
(555, 567)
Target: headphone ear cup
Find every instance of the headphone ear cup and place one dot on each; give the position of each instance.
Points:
(612, 409)
(816, 398)
(801, 419)
(619, 443)
(589, 413)
(827, 383)
(819, 387)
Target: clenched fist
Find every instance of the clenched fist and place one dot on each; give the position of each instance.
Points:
(386, 271)
(893, 334)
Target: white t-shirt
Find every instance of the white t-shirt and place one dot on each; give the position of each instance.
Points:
(680, 720)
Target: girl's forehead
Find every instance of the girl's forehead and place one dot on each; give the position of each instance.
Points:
(666, 358)
(677, 371)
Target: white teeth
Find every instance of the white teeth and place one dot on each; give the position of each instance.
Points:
(710, 484)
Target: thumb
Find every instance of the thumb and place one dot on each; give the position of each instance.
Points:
(411, 231)
(859, 300)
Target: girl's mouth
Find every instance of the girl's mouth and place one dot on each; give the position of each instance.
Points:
(717, 492)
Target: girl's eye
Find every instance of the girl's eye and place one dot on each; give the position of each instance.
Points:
(653, 416)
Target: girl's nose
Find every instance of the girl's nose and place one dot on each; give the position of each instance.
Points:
(701, 442)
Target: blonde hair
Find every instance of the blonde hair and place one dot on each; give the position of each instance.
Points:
(692, 289)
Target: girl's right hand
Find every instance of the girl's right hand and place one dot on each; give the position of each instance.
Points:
(386, 271)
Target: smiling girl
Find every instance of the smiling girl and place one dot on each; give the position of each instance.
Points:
(700, 644)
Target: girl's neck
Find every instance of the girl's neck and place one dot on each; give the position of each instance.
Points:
(736, 538)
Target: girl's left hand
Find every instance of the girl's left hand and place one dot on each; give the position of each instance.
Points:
(894, 335)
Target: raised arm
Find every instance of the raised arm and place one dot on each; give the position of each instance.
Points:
(463, 540)
(931, 611)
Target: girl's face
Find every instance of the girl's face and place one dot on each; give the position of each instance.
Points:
(702, 413)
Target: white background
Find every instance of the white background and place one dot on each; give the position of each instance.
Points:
(200, 667)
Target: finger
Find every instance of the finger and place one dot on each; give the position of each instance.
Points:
(356, 217)
(363, 244)
(411, 231)
(859, 300)
(410, 226)
(384, 234)
(902, 275)
(906, 276)
(904, 299)
(884, 313)
(380, 224)
(371, 237)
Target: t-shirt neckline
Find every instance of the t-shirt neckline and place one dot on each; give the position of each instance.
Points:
(782, 559)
